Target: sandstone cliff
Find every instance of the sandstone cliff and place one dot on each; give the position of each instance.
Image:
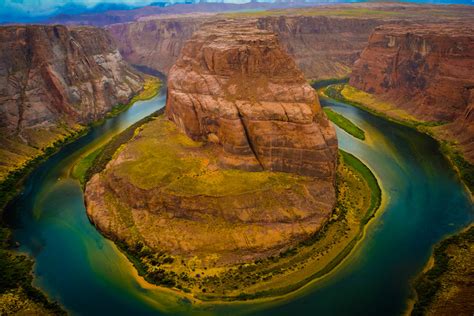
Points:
(234, 85)
(154, 43)
(323, 47)
(427, 70)
(246, 106)
(53, 77)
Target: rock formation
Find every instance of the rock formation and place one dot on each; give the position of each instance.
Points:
(246, 105)
(428, 70)
(234, 85)
(156, 43)
(53, 76)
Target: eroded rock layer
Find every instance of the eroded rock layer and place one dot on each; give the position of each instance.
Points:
(217, 199)
(52, 78)
(428, 70)
(234, 85)
(50, 73)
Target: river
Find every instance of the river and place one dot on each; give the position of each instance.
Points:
(423, 202)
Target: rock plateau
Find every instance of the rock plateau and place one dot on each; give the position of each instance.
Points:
(246, 106)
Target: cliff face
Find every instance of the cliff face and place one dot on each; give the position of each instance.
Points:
(154, 43)
(428, 70)
(51, 75)
(235, 86)
(322, 47)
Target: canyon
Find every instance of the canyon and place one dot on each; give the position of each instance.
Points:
(426, 70)
(53, 81)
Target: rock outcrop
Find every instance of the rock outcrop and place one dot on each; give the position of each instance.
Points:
(218, 199)
(234, 85)
(427, 70)
(52, 77)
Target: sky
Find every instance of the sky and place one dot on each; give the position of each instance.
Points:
(31, 10)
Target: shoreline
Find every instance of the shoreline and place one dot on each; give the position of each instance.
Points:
(13, 183)
(431, 264)
(445, 147)
(269, 294)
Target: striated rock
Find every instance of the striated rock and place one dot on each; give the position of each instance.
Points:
(234, 85)
(154, 43)
(53, 77)
(218, 200)
(323, 47)
(427, 70)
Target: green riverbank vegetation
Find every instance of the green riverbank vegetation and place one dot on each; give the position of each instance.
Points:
(445, 287)
(344, 123)
(369, 103)
(17, 295)
(358, 198)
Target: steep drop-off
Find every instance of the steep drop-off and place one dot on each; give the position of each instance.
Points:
(53, 78)
(244, 103)
(323, 47)
(426, 70)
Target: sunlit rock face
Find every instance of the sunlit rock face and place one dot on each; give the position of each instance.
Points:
(234, 85)
(427, 70)
(53, 74)
(248, 108)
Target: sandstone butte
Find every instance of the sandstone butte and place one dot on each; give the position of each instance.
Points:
(53, 77)
(252, 115)
(426, 70)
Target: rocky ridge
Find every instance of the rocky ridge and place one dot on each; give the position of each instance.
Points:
(427, 70)
(53, 78)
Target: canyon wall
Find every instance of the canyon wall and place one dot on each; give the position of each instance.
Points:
(323, 47)
(154, 43)
(427, 70)
(53, 77)
(235, 85)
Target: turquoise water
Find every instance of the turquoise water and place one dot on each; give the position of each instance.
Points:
(423, 202)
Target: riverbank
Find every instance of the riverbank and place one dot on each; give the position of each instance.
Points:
(16, 291)
(264, 278)
(344, 123)
(445, 285)
(350, 95)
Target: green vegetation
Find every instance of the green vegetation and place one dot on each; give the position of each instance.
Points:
(150, 89)
(317, 84)
(369, 103)
(15, 271)
(345, 124)
(187, 168)
(96, 161)
(451, 271)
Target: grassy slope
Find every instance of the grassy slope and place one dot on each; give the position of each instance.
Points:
(368, 102)
(270, 277)
(17, 295)
(345, 124)
(446, 288)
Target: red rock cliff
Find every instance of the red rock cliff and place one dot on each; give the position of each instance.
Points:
(52, 77)
(428, 70)
(234, 85)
